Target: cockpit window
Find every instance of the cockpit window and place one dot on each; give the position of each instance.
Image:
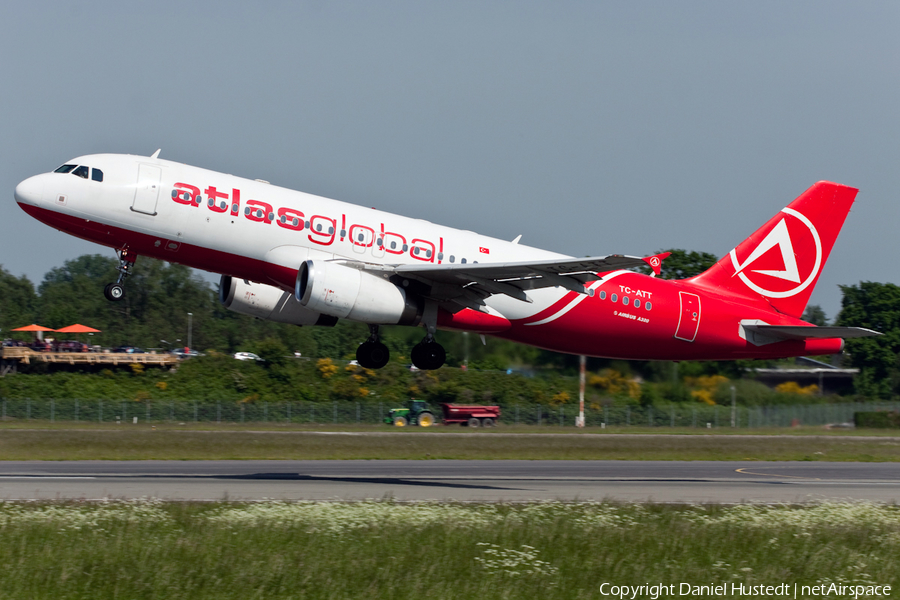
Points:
(64, 169)
(81, 171)
(96, 174)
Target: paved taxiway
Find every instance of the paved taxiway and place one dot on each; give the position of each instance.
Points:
(478, 481)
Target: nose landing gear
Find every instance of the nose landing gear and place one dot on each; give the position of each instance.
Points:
(372, 354)
(116, 291)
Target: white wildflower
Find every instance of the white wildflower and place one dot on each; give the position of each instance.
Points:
(497, 560)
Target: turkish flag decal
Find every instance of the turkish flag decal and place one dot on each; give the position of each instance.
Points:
(484, 250)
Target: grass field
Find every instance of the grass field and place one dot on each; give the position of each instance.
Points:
(127, 442)
(151, 550)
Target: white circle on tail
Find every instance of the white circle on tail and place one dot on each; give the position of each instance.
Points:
(788, 281)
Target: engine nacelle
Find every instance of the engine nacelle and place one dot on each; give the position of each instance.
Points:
(348, 293)
(267, 302)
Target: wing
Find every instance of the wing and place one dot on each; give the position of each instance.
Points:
(467, 285)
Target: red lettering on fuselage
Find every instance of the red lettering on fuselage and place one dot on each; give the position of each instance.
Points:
(396, 245)
(290, 218)
(322, 229)
(186, 194)
(235, 202)
(216, 201)
(422, 250)
(258, 211)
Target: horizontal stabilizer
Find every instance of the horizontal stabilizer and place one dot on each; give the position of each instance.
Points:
(802, 332)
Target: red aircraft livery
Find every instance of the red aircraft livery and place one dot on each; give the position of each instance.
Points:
(297, 258)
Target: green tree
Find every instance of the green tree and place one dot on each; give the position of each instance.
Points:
(815, 315)
(873, 306)
(17, 301)
(682, 264)
(159, 296)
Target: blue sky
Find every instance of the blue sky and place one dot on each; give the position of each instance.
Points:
(589, 127)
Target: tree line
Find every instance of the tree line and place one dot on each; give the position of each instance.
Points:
(154, 315)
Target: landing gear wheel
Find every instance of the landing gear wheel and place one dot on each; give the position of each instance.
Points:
(114, 291)
(426, 419)
(428, 355)
(372, 355)
(400, 422)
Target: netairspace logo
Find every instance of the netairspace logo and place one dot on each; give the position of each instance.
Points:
(736, 590)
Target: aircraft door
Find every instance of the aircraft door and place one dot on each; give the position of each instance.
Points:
(362, 238)
(146, 193)
(689, 318)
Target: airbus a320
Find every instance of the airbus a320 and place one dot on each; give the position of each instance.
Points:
(297, 258)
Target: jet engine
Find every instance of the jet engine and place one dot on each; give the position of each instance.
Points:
(267, 302)
(345, 292)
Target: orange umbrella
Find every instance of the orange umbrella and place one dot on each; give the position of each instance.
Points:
(34, 328)
(77, 328)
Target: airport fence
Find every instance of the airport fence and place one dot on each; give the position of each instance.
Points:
(184, 411)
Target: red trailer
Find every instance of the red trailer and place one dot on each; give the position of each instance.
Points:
(471, 415)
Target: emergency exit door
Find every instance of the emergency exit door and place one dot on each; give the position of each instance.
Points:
(146, 194)
(689, 318)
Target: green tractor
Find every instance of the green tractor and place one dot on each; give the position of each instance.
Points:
(417, 413)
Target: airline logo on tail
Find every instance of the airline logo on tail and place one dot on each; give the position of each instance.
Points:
(785, 262)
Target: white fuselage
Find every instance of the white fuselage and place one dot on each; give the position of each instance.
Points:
(252, 227)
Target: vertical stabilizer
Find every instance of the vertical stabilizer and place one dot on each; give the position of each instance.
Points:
(782, 261)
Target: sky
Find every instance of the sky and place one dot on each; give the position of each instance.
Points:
(590, 128)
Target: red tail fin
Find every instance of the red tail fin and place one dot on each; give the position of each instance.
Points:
(781, 261)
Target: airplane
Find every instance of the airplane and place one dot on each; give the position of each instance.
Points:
(293, 257)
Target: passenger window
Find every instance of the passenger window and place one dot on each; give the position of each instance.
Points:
(625, 300)
(65, 169)
(603, 295)
(614, 297)
(82, 172)
(648, 306)
(637, 303)
(96, 174)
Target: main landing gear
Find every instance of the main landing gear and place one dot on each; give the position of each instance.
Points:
(116, 291)
(372, 354)
(428, 355)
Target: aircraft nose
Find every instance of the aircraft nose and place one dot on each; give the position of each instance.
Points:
(30, 191)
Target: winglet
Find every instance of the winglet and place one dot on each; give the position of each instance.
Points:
(655, 261)
(156, 154)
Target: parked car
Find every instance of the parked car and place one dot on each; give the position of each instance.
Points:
(184, 353)
(129, 350)
(247, 356)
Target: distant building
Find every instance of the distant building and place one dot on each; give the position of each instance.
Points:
(829, 378)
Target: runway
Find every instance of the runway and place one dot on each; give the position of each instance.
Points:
(452, 480)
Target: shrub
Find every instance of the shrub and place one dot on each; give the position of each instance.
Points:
(877, 420)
